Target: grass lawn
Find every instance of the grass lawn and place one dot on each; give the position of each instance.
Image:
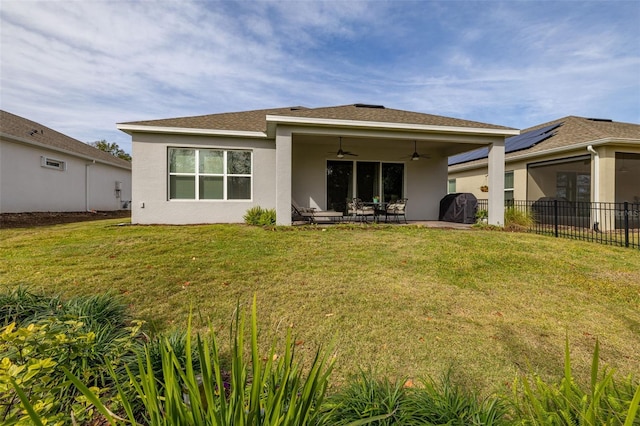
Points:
(400, 301)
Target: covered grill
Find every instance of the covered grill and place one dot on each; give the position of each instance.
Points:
(459, 208)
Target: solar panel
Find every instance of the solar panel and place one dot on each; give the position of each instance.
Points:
(476, 154)
(512, 144)
(529, 139)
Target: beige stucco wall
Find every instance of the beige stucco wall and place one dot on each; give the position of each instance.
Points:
(150, 181)
(26, 186)
(471, 180)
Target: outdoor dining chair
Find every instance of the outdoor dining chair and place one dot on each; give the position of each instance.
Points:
(358, 211)
(397, 209)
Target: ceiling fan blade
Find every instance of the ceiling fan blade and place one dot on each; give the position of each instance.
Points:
(350, 153)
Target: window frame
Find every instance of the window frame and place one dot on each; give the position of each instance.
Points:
(197, 174)
(449, 184)
(510, 189)
(46, 162)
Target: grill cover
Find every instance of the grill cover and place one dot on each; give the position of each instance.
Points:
(459, 208)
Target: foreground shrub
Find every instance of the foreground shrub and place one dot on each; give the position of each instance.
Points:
(260, 217)
(269, 390)
(605, 402)
(88, 336)
(34, 357)
(381, 402)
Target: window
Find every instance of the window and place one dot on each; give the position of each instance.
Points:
(209, 174)
(451, 188)
(50, 163)
(508, 186)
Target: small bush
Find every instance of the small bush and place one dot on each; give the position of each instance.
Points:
(482, 215)
(260, 217)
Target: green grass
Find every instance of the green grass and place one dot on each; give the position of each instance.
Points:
(401, 301)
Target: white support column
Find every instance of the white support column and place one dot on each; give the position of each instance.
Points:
(283, 176)
(496, 183)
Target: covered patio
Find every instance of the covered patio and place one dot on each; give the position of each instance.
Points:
(333, 156)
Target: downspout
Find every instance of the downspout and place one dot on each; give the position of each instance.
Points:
(596, 185)
(86, 184)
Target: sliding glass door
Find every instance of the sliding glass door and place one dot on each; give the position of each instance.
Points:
(369, 178)
(392, 181)
(339, 184)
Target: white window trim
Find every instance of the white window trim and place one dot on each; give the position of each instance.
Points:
(52, 163)
(455, 184)
(197, 175)
(512, 188)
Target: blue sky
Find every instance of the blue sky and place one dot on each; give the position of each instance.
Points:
(80, 67)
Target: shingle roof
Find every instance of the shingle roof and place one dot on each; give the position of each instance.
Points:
(22, 129)
(574, 130)
(256, 120)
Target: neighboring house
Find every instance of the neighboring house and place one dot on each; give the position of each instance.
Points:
(42, 170)
(573, 158)
(213, 168)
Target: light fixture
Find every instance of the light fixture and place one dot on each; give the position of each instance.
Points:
(415, 156)
(341, 153)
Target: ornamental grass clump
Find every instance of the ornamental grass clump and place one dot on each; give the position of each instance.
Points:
(517, 219)
(606, 401)
(366, 400)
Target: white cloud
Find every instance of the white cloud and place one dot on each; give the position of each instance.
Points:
(80, 67)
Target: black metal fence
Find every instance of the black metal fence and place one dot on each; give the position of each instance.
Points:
(606, 223)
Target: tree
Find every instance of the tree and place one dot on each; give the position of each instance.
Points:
(112, 148)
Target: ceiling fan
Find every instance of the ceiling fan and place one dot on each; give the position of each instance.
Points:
(415, 156)
(341, 153)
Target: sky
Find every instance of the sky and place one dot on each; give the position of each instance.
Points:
(80, 67)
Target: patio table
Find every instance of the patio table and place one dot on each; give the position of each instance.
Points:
(379, 208)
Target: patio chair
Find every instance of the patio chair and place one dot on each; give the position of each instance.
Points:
(313, 215)
(357, 210)
(397, 209)
(301, 214)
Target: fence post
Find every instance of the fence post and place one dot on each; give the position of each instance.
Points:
(555, 217)
(626, 224)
